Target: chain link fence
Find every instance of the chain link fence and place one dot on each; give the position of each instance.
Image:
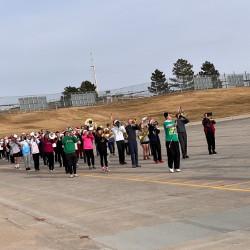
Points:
(15, 104)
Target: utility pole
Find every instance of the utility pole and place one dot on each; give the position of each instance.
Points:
(94, 72)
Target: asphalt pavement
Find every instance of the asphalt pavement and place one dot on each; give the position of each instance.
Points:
(205, 206)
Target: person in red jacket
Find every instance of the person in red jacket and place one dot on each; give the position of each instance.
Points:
(49, 151)
(209, 129)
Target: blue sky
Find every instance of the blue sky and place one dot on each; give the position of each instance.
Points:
(46, 45)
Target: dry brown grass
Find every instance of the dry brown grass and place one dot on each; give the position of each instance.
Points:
(222, 102)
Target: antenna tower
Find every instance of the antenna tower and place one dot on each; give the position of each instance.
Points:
(94, 72)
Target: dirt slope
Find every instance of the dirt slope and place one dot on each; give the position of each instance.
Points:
(222, 102)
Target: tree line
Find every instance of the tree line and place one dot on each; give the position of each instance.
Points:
(184, 77)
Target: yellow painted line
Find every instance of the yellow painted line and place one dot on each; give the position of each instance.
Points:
(166, 182)
(192, 181)
(236, 184)
(155, 176)
(211, 183)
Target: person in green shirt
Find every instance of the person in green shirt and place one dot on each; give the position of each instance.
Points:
(68, 142)
(172, 143)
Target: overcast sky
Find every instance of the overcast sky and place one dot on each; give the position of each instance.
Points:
(46, 45)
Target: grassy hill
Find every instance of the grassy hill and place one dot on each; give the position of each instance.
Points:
(222, 102)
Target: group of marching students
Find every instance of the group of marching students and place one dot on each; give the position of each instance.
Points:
(70, 145)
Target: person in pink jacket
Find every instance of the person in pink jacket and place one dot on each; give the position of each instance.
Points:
(88, 139)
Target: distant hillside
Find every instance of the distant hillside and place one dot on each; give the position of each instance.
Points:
(222, 102)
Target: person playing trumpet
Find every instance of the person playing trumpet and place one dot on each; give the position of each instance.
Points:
(119, 131)
(132, 142)
(154, 140)
(172, 144)
(15, 150)
(209, 130)
(88, 139)
(101, 143)
(182, 120)
(111, 140)
(68, 142)
(34, 146)
(48, 150)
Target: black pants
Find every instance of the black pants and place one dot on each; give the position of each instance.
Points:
(133, 148)
(111, 146)
(71, 160)
(90, 157)
(36, 160)
(121, 151)
(173, 152)
(156, 151)
(210, 141)
(183, 143)
(50, 157)
(103, 158)
(58, 156)
(65, 162)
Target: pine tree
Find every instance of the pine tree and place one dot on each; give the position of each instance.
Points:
(87, 86)
(184, 73)
(208, 69)
(159, 84)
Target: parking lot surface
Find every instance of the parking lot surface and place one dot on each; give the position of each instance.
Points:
(205, 206)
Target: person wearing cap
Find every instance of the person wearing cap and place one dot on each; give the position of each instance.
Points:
(172, 143)
(68, 142)
(15, 150)
(154, 141)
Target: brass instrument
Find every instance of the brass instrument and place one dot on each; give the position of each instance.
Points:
(106, 133)
(181, 112)
(52, 135)
(144, 120)
(134, 121)
(144, 129)
(89, 122)
(34, 134)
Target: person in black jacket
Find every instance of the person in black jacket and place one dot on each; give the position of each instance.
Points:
(182, 120)
(132, 142)
(154, 141)
(209, 129)
(101, 145)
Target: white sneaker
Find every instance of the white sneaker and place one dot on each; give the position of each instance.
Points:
(71, 176)
(178, 170)
(75, 175)
(171, 170)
